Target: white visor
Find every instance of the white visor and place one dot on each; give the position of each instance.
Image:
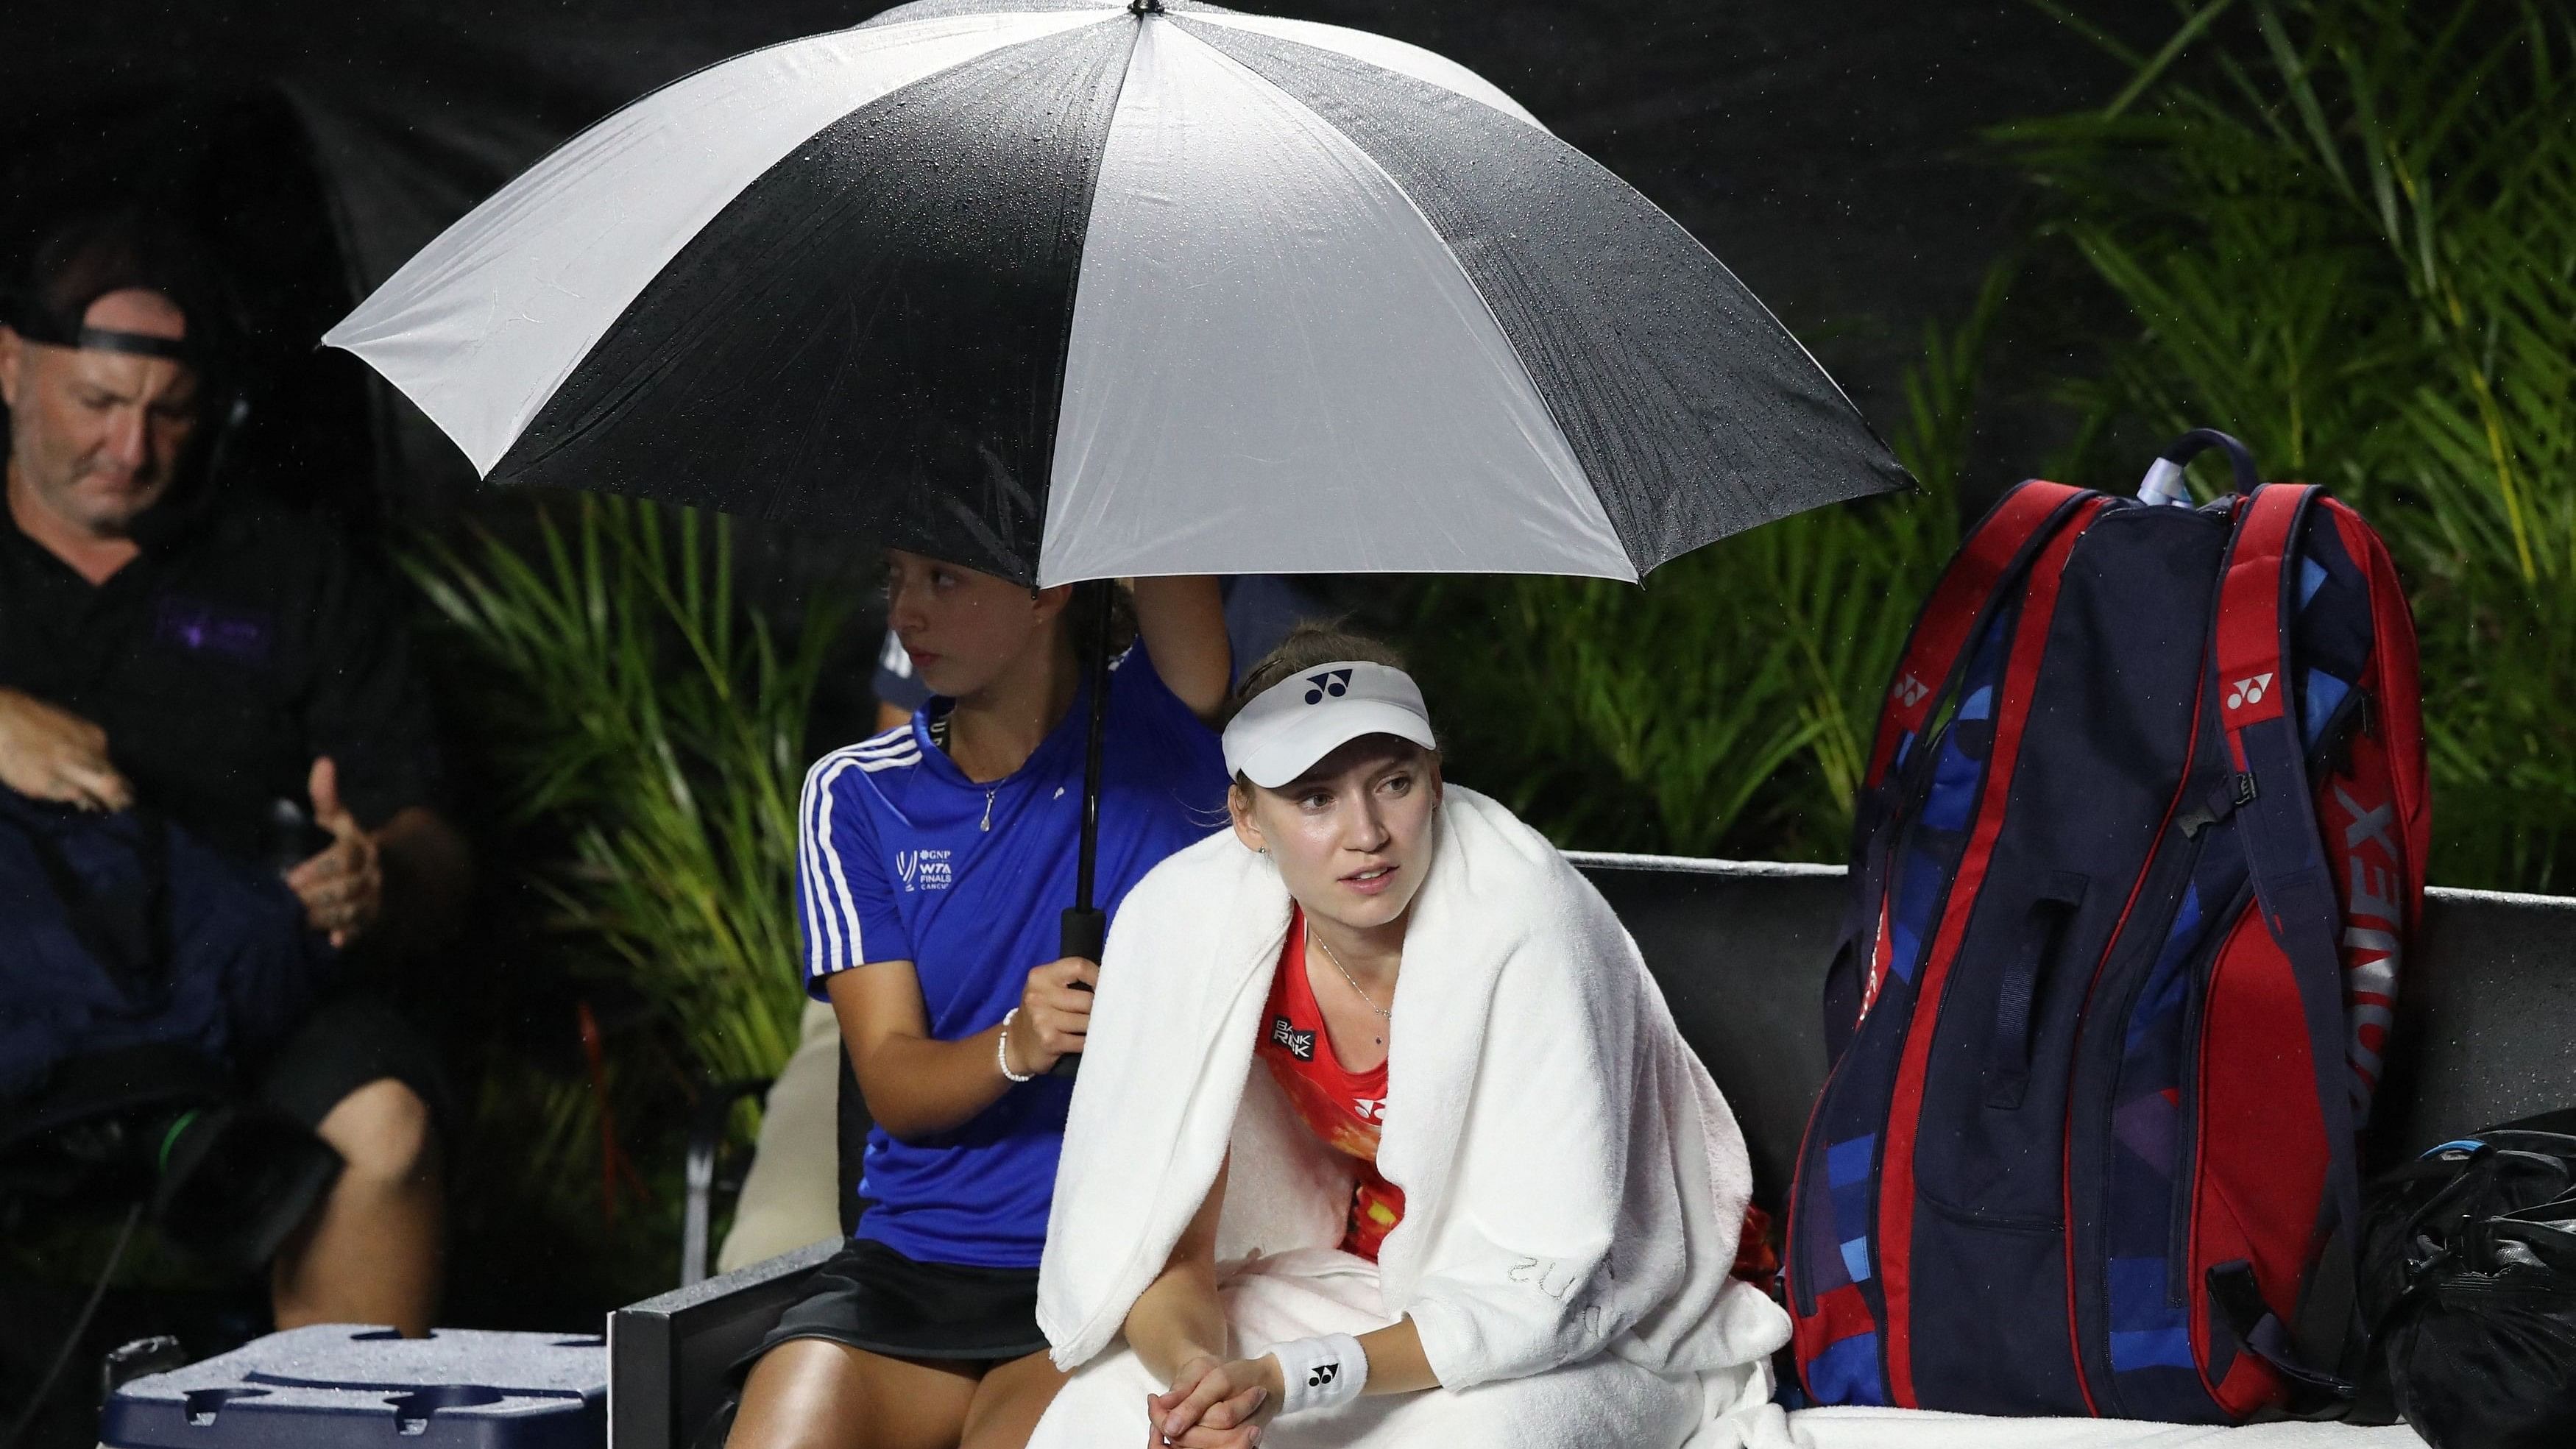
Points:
(1292, 724)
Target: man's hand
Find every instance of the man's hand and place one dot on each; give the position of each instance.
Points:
(343, 888)
(53, 754)
(1215, 1405)
(1054, 1013)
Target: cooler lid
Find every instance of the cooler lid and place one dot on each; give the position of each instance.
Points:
(331, 1386)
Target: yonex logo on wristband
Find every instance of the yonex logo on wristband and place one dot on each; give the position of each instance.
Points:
(1321, 1373)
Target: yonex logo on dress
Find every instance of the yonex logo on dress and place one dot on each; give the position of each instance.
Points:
(1910, 691)
(1334, 682)
(2248, 691)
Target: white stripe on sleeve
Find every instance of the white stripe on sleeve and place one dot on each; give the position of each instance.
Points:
(821, 934)
(831, 856)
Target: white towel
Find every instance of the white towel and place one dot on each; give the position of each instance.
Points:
(1574, 1184)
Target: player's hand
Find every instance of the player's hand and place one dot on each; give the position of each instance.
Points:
(343, 887)
(1055, 1010)
(1215, 1405)
(48, 753)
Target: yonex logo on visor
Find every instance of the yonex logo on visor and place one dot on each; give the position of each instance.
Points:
(1289, 726)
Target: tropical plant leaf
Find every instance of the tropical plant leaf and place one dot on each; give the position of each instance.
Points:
(2342, 234)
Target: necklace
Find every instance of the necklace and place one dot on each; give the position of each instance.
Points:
(939, 737)
(1386, 1012)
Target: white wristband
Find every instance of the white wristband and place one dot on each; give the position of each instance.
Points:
(1002, 1049)
(1320, 1373)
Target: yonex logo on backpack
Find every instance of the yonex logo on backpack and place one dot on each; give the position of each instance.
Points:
(2105, 1014)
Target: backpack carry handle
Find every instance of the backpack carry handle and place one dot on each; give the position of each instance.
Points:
(2025, 978)
(2163, 483)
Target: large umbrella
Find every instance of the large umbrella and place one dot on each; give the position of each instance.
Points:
(1070, 289)
(1076, 289)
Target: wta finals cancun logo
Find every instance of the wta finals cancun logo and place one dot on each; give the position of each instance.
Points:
(923, 870)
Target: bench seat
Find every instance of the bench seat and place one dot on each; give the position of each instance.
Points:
(2486, 1032)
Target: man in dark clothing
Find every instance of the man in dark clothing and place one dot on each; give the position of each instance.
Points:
(235, 670)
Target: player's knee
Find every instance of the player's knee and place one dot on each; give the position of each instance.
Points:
(383, 1132)
(803, 1394)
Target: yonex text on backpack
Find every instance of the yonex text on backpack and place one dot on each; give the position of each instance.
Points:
(2140, 849)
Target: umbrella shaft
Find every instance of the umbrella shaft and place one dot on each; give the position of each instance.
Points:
(1098, 664)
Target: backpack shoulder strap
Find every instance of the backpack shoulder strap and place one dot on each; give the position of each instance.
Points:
(2276, 812)
(1995, 552)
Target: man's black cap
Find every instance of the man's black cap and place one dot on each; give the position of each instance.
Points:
(92, 255)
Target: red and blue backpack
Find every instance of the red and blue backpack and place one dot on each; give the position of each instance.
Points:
(2138, 854)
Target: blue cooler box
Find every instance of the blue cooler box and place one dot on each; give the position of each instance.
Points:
(335, 1385)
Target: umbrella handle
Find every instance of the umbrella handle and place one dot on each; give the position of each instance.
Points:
(1084, 932)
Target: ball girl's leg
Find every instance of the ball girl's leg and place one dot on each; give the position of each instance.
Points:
(810, 1393)
(1008, 1402)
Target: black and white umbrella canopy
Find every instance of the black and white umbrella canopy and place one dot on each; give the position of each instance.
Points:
(1067, 289)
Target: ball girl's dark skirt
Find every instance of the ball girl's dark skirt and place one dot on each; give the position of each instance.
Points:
(871, 1297)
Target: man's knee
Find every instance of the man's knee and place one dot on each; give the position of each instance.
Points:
(384, 1132)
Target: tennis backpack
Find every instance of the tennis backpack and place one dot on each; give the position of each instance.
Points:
(2137, 856)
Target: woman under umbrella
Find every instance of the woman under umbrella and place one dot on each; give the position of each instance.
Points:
(1387, 1135)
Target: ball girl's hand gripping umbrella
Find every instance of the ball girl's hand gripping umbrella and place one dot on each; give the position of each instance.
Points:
(1081, 289)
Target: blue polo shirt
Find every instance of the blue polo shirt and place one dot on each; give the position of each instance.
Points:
(902, 858)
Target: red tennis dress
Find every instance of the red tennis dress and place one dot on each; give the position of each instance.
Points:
(1342, 1108)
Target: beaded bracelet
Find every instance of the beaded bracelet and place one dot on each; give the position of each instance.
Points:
(1002, 1049)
